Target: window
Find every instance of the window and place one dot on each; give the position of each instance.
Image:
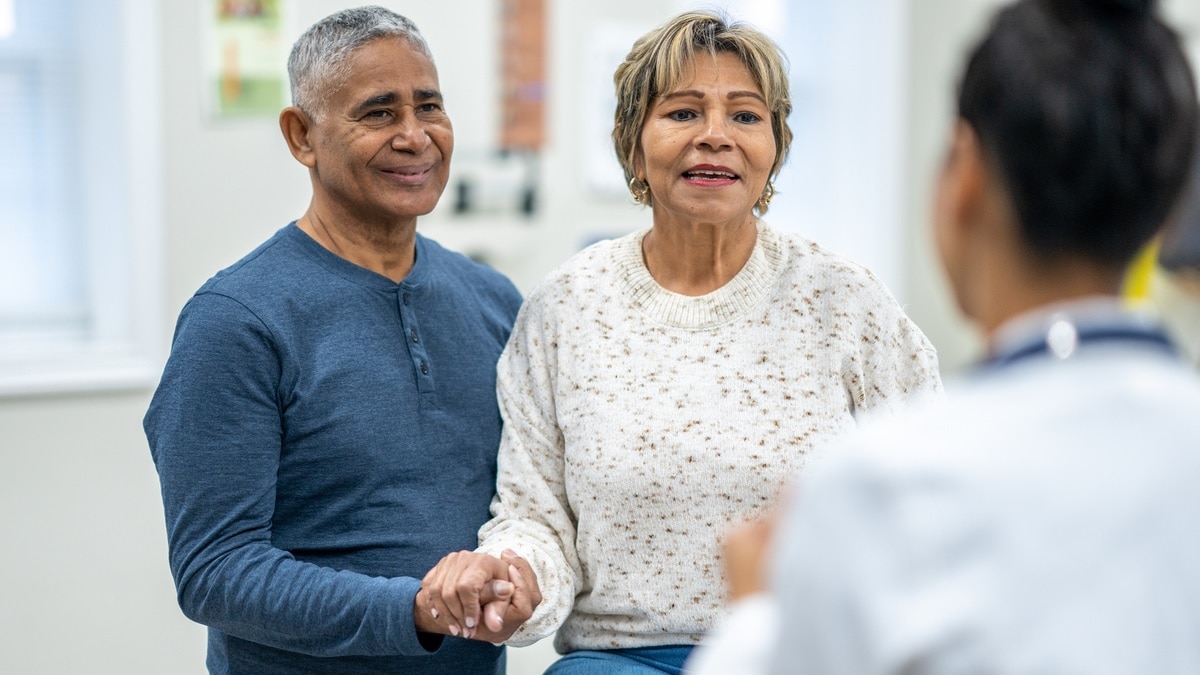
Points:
(79, 194)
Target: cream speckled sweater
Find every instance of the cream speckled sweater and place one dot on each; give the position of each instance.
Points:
(640, 424)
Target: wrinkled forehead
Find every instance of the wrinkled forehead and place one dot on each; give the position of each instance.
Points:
(389, 47)
(387, 61)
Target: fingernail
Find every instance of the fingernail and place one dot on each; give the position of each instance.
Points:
(454, 630)
(470, 622)
(509, 552)
(434, 613)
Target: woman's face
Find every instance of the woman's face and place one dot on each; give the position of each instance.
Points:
(707, 148)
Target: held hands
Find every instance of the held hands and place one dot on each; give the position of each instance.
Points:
(478, 596)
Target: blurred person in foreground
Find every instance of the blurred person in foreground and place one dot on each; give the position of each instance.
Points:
(1042, 518)
(660, 387)
(1175, 283)
(326, 426)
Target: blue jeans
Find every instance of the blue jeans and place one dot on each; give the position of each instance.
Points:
(637, 661)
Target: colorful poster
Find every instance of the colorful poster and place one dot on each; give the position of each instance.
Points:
(245, 67)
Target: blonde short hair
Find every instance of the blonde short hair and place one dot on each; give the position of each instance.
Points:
(658, 62)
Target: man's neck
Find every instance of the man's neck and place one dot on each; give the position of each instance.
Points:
(388, 250)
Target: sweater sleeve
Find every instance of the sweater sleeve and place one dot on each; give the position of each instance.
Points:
(894, 365)
(531, 512)
(215, 432)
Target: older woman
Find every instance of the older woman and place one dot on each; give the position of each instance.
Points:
(660, 387)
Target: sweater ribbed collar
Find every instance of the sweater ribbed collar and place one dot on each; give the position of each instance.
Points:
(744, 291)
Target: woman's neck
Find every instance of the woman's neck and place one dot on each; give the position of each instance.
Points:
(697, 258)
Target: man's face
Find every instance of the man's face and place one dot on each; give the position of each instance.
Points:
(382, 144)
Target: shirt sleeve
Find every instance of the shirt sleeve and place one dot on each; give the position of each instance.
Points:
(824, 574)
(531, 512)
(215, 432)
(881, 565)
(742, 642)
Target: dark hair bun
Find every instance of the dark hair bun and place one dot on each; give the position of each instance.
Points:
(1136, 7)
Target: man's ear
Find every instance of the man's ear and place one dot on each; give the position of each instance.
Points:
(297, 127)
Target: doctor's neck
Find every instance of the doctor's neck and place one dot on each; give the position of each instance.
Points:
(1017, 283)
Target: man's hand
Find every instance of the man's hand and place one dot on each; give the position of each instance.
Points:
(477, 596)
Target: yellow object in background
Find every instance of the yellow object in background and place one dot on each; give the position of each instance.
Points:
(1173, 298)
(1137, 286)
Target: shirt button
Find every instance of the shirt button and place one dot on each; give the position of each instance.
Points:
(414, 335)
(424, 368)
(404, 299)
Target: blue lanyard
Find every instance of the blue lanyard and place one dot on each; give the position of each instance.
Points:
(1149, 337)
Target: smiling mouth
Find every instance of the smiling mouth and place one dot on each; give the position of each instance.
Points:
(412, 175)
(714, 176)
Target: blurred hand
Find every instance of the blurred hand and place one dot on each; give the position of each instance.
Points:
(745, 557)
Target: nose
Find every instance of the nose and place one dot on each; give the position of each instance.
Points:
(409, 135)
(715, 134)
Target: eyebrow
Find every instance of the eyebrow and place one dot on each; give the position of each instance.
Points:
(377, 100)
(388, 98)
(692, 93)
(427, 95)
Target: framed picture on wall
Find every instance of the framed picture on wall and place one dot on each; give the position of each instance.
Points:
(245, 55)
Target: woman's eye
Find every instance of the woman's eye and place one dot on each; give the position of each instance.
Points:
(681, 115)
(747, 118)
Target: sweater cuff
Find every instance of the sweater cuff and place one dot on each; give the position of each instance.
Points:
(411, 641)
(544, 621)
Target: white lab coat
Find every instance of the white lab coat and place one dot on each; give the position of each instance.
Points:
(1044, 518)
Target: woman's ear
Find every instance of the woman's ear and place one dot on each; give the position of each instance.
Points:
(297, 128)
(968, 176)
(958, 205)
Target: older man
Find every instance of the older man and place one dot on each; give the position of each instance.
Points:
(326, 426)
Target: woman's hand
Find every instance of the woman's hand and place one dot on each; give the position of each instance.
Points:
(475, 595)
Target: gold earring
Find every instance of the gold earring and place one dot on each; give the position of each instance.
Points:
(640, 190)
(765, 200)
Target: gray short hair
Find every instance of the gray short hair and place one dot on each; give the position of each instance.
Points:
(320, 55)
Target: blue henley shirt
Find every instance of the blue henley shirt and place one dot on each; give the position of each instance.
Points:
(323, 436)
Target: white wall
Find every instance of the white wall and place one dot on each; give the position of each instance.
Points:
(940, 32)
(85, 585)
